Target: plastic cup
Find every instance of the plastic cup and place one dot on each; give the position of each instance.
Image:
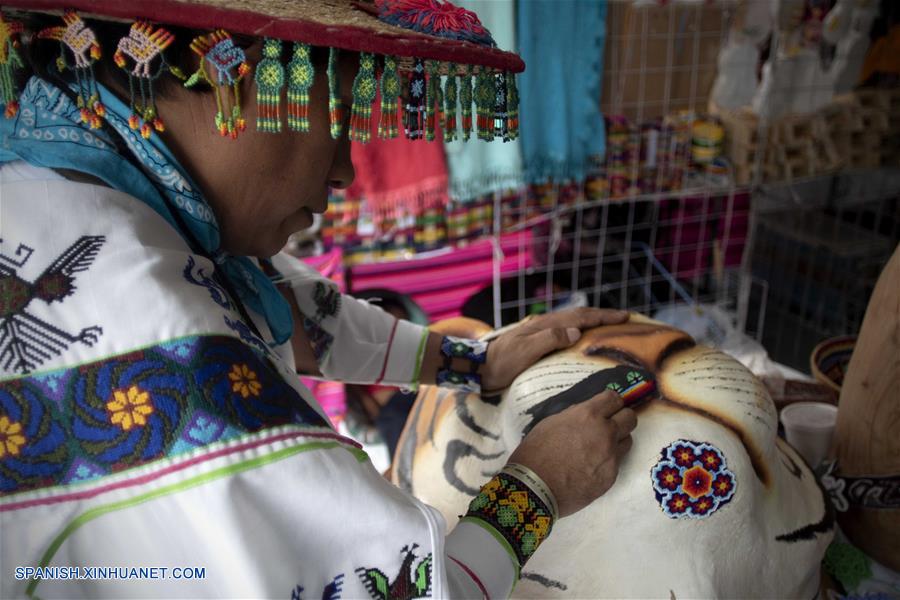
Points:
(808, 427)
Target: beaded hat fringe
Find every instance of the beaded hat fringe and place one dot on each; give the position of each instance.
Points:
(433, 101)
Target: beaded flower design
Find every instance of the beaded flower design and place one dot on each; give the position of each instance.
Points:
(691, 480)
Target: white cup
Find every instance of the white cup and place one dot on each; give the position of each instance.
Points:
(808, 427)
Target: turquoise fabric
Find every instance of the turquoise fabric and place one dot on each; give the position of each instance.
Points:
(48, 132)
(477, 167)
(561, 43)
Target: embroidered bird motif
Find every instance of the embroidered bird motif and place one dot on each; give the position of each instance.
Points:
(77, 36)
(26, 341)
(409, 583)
(142, 44)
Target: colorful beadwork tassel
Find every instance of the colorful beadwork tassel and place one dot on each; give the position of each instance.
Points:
(415, 105)
(501, 123)
(485, 98)
(434, 102)
(450, 102)
(512, 106)
(364, 91)
(301, 74)
(335, 114)
(9, 60)
(230, 62)
(465, 99)
(388, 125)
(143, 45)
(269, 81)
(82, 43)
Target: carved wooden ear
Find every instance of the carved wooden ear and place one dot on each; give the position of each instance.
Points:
(461, 327)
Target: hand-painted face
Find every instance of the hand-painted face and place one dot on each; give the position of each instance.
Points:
(708, 503)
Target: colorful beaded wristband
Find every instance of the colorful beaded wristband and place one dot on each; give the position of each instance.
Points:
(472, 350)
(537, 485)
(517, 515)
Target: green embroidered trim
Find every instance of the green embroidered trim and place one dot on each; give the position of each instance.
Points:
(433, 99)
(512, 106)
(301, 74)
(515, 511)
(450, 104)
(181, 486)
(420, 356)
(465, 99)
(269, 81)
(335, 114)
(364, 88)
(500, 539)
(389, 124)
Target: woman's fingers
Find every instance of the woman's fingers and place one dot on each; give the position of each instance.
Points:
(579, 318)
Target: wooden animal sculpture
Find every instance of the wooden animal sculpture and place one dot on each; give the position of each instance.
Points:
(709, 502)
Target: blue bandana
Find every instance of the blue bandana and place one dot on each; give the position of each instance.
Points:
(48, 132)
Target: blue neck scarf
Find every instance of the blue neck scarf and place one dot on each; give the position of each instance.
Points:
(48, 132)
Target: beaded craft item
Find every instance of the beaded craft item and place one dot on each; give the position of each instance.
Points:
(364, 88)
(433, 100)
(144, 45)
(269, 82)
(501, 117)
(512, 107)
(82, 44)
(472, 350)
(9, 60)
(692, 480)
(485, 101)
(301, 74)
(388, 125)
(415, 105)
(465, 100)
(450, 103)
(230, 64)
(335, 113)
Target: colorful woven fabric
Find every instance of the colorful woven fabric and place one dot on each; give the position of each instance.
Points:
(692, 480)
(76, 424)
(517, 515)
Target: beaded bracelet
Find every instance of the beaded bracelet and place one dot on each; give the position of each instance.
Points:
(472, 350)
(537, 485)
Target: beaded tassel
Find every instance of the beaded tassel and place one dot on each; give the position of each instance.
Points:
(485, 97)
(450, 101)
(231, 66)
(9, 60)
(335, 114)
(301, 74)
(269, 81)
(388, 125)
(364, 88)
(433, 100)
(415, 106)
(465, 99)
(82, 43)
(143, 45)
(512, 106)
(501, 118)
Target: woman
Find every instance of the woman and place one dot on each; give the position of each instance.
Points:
(153, 430)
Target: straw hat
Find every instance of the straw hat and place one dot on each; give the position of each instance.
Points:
(432, 51)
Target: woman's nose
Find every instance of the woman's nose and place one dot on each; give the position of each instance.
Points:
(342, 173)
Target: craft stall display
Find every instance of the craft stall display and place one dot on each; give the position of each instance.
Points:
(708, 503)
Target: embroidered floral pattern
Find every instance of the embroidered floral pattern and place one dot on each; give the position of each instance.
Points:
(244, 381)
(512, 509)
(129, 408)
(691, 479)
(126, 410)
(413, 580)
(11, 438)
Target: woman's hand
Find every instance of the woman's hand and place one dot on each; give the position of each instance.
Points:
(577, 452)
(514, 351)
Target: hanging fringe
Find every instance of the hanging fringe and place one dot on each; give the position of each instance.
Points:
(450, 102)
(335, 114)
(10, 59)
(300, 78)
(143, 45)
(433, 100)
(465, 99)
(415, 106)
(364, 88)
(269, 81)
(512, 106)
(485, 101)
(230, 63)
(82, 43)
(388, 125)
(501, 117)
